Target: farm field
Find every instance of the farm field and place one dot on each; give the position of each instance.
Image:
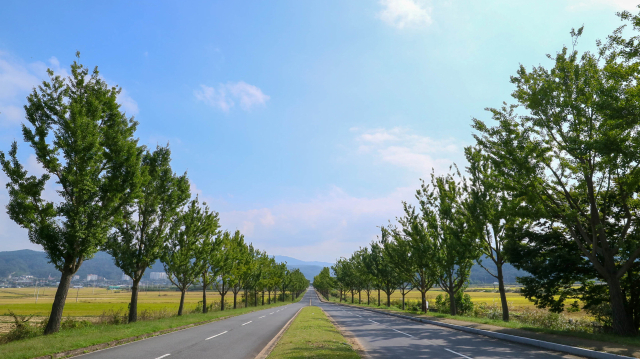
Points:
(93, 302)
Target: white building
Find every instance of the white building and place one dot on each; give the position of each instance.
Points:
(125, 277)
(92, 277)
(158, 275)
(76, 277)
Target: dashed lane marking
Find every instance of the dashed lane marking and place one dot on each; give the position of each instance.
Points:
(462, 355)
(409, 335)
(160, 357)
(248, 322)
(262, 317)
(209, 338)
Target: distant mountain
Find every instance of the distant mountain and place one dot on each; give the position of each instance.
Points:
(293, 261)
(310, 269)
(29, 262)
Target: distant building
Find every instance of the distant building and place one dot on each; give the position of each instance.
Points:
(76, 277)
(92, 277)
(158, 275)
(125, 277)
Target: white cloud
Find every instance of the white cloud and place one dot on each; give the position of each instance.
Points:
(402, 148)
(128, 104)
(577, 5)
(323, 228)
(225, 96)
(405, 13)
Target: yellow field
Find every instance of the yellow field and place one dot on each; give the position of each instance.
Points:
(93, 302)
(514, 299)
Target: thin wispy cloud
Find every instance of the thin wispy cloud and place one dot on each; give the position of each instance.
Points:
(577, 5)
(225, 96)
(405, 13)
(403, 148)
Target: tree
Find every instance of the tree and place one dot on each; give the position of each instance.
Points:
(399, 253)
(494, 213)
(415, 240)
(139, 236)
(387, 276)
(224, 262)
(448, 223)
(83, 140)
(572, 149)
(240, 268)
(183, 252)
(364, 277)
(323, 282)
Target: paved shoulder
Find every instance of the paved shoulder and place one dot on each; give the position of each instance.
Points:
(238, 337)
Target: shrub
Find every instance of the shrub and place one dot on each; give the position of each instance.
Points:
(21, 329)
(464, 304)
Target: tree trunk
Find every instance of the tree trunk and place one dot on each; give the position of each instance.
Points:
(378, 297)
(351, 296)
(55, 318)
(184, 291)
(222, 301)
(622, 324)
(388, 299)
(235, 298)
(269, 297)
(359, 297)
(133, 305)
(424, 301)
(204, 298)
(263, 297)
(503, 295)
(403, 294)
(452, 303)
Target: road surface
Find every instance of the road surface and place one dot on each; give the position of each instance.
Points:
(239, 337)
(384, 336)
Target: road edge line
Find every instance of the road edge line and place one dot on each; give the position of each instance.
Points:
(272, 344)
(506, 337)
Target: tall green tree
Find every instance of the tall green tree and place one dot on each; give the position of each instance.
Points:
(139, 236)
(399, 257)
(415, 240)
(380, 263)
(495, 213)
(223, 263)
(448, 223)
(84, 142)
(572, 148)
(183, 252)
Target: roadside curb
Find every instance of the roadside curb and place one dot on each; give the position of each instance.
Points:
(508, 337)
(272, 344)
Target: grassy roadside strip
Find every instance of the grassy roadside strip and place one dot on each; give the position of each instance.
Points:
(84, 340)
(312, 335)
(628, 346)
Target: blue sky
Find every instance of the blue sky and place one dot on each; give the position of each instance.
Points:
(305, 124)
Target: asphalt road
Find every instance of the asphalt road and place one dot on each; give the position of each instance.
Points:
(239, 337)
(384, 336)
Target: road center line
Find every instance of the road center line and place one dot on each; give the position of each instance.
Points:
(166, 355)
(262, 317)
(248, 322)
(208, 338)
(462, 355)
(373, 321)
(270, 313)
(409, 335)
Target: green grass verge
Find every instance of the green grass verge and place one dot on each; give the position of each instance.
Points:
(609, 338)
(97, 334)
(312, 335)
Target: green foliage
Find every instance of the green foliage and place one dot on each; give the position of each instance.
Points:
(83, 140)
(464, 305)
(21, 329)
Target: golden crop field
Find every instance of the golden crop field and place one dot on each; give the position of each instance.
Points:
(94, 301)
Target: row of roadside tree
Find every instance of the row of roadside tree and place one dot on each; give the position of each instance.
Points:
(552, 186)
(118, 196)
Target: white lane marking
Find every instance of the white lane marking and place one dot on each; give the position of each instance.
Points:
(166, 355)
(262, 317)
(409, 335)
(373, 321)
(209, 338)
(462, 355)
(248, 322)
(270, 313)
